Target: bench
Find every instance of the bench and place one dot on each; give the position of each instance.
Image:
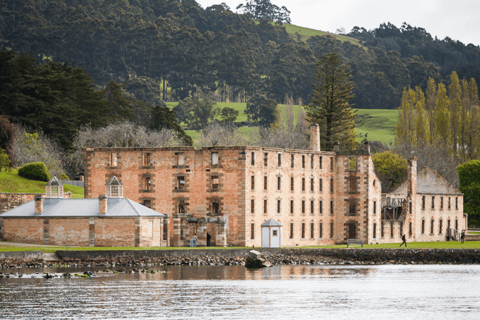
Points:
(354, 241)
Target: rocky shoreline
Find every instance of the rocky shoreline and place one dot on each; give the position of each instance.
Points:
(225, 257)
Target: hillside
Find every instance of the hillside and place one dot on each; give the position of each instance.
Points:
(10, 182)
(305, 33)
(379, 124)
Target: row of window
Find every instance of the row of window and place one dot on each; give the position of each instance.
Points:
(292, 184)
(302, 230)
(147, 159)
(292, 161)
(440, 225)
(292, 206)
(432, 203)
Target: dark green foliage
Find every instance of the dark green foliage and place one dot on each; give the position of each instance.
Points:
(264, 9)
(330, 106)
(63, 176)
(228, 115)
(390, 168)
(4, 160)
(261, 110)
(8, 132)
(197, 112)
(469, 178)
(35, 171)
(164, 118)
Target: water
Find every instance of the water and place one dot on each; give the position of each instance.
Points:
(233, 292)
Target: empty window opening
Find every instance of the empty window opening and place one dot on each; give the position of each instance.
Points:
(113, 160)
(147, 203)
(352, 207)
(291, 183)
(410, 229)
(449, 204)
(303, 161)
(331, 185)
(303, 230)
(423, 226)
(303, 206)
(292, 161)
(312, 164)
(278, 206)
(320, 230)
(253, 182)
(423, 202)
(146, 159)
(321, 185)
(265, 159)
(265, 182)
(253, 158)
(147, 184)
(433, 202)
(320, 206)
(312, 230)
(331, 163)
(215, 184)
(291, 230)
(312, 207)
(303, 184)
(214, 158)
(331, 230)
(279, 183)
(312, 184)
(279, 156)
(252, 206)
(180, 159)
(353, 184)
(456, 203)
(374, 230)
(391, 229)
(331, 207)
(215, 206)
(382, 229)
(374, 207)
(291, 206)
(441, 203)
(353, 164)
(181, 206)
(252, 231)
(181, 183)
(431, 226)
(265, 206)
(320, 163)
(440, 226)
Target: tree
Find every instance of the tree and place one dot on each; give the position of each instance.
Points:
(261, 110)
(228, 115)
(4, 160)
(264, 9)
(469, 177)
(164, 118)
(390, 168)
(8, 132)
(330, 105)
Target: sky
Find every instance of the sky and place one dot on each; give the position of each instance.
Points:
(457, 19)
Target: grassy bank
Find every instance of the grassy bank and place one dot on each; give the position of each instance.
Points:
(412, 245)
(10, 182)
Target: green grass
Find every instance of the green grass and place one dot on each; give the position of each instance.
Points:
(306, 33)
(415, 245)
(379, 124)
(473, 232)
(411, 245)
(10, 182)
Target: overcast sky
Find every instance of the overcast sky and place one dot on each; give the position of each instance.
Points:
(457, 19)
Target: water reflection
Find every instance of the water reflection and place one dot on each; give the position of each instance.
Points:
(234, 292)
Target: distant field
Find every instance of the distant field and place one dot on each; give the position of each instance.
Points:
(10, 182)
(379, 124)
(306, 33)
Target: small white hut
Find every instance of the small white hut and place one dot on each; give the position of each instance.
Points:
(271, 234)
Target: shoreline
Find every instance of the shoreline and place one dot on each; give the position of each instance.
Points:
(226, 257)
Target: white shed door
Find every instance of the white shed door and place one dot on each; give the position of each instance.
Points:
(275, 237)
(265, 238)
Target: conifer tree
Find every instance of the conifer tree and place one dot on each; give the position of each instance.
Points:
(330, 105)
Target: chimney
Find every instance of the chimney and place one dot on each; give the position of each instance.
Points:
(102, 204)
(412, 177)
(314, 137)
(38, 203)
(336, 147)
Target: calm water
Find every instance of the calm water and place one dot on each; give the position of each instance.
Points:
(232, 292)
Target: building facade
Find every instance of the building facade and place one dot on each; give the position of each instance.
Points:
(319, 197)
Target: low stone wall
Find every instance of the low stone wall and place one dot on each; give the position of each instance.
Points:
(472, 237)
(275, 256)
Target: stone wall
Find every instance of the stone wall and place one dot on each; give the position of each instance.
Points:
(9, 201)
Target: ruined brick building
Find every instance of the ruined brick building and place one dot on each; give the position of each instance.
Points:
(319, 197)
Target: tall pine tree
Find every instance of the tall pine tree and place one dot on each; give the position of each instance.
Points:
(330, 105)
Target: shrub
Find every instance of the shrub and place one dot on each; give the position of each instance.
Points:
(35, 171)
(4, 160)
(63, 176)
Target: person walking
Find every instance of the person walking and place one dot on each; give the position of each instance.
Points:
(193, 241)
(462, 237)
(404, 240)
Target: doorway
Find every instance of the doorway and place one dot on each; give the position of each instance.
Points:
(352, 231)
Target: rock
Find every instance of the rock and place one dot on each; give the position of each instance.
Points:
(254, 254)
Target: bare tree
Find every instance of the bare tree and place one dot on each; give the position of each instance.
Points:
(37, 147)
(437, 157)
(123, 134)
(216, 134)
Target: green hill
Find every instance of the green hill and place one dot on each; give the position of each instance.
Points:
(305, 33)
(379, 124)
(10, 182)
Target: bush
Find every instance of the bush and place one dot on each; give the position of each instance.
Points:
(4, 160)
(63, 176)
(35, 171)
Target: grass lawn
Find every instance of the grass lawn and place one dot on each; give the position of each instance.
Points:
(411, 245)
(306, 33)
(10, 182)
(415, 245)
(379, 124)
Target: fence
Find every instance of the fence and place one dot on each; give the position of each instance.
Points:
(76, 183)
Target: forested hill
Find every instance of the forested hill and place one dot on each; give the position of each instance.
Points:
(147, 43)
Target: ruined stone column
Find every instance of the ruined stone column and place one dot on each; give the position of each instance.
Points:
(177, 229)
(221, 237)
(202, 232)
(314, 137)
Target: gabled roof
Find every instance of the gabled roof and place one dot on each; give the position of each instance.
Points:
(429, 182)
(271, 223)
(114, 182)
(57, 207)
(54, 182)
